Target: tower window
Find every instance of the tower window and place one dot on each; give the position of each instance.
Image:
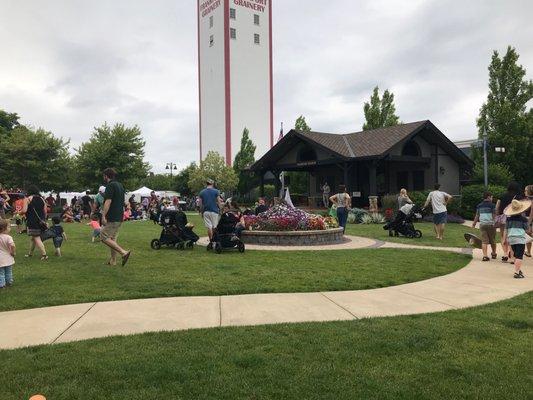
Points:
(257, 38)
(211, 41)
(232, 13)
(256, 19)
(232, 33)
(211, 21)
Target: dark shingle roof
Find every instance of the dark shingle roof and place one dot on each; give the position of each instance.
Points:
(369, 143)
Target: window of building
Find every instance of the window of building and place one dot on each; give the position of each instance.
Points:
(256, 19)
(233, 33)
(232, 13)
(418, 180)
(211, 21)
(257, 39)
(211, 41)
(411, 148)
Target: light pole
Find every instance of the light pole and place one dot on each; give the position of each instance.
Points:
(485, 161)
(171, 166)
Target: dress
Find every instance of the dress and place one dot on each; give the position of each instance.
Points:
(35, 215)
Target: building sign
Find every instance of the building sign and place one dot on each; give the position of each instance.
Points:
(207, 7)
(356, 194)
(306, 163)
(257, 5)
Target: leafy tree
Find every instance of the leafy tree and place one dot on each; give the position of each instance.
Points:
(8, 122)
(35, 157)
(380, 112)
(181, 181)
(505, 116)
(244, 159)
(301, 125)
(213, 167)
(119, 147)
(499, 174)
(158, 182)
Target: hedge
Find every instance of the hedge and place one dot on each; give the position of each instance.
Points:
(473, 195)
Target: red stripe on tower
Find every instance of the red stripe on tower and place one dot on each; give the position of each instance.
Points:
(227, 84)
(199, 85)
(271, 80)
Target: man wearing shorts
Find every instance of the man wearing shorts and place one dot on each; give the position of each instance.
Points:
(485, 214)
(438, 201)
(210, 202)
(112, 214)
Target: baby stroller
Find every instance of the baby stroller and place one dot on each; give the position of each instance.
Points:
(224, 237)
(403, 223)
(176, 231)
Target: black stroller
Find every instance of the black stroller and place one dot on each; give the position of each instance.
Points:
(175, 232)
(403, 223)
(224, 236)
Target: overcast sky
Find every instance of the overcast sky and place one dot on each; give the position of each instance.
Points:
(70, 65)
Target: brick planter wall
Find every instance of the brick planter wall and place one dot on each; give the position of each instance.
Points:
(293, 238)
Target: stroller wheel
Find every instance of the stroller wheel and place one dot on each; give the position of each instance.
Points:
(418, 234)
(156, 244)
(240, 246)
(189, 245)
(209, 246)
(180, 246)
(218, 248)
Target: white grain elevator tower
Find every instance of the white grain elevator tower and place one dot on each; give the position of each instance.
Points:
(235, 75)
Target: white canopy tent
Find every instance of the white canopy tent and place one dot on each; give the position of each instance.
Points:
(140, 193)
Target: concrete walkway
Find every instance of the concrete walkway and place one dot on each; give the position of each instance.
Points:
(476, 284)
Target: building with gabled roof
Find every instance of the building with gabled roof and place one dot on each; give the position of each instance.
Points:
(375, 162)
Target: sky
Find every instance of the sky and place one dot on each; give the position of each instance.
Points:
(71, 65)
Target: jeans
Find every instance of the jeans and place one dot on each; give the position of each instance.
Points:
(342, 216)
(6, 275)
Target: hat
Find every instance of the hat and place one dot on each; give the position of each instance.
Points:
(517, 207)
(210, 181)
(101, 189)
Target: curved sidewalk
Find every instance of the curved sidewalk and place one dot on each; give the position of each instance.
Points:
(476, 284)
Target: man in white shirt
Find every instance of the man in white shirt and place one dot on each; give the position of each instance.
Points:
(438, 201)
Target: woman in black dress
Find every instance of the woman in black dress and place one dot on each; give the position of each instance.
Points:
(35, 210)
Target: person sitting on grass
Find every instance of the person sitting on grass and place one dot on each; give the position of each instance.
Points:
(60, 235)
(516, 226)
(7, 254)
(95, 224)
(68, 217)
(485, 214)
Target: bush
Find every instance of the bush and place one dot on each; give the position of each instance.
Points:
(472, 195)
(498, 174)
(355, 216)
(389, 201)
(374, 218)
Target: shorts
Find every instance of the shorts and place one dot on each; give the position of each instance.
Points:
(110, 230)
(96, 232)
(440, 218)
(34, 232)
(58, 241)
(518, 250)
(211, 219)
(488, 234)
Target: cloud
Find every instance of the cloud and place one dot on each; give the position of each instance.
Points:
(73, 64)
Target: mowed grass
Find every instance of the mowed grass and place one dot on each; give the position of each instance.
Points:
(453, 234)
(82, 276)
(478, 353)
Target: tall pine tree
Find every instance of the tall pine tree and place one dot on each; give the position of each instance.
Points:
(506, 117)
(244, 159)
(380, 112)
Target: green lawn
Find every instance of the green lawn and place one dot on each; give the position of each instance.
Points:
(478, 353)
(453, 234)
(82, 276)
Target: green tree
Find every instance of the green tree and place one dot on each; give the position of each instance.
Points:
(301, 125)
(119, 147)
(8, 122)
(181, 181)
(499, 174)
(213, 167)
(158, 182)
(244, 159)
(35, 157)
(380, 112)
(505, 116)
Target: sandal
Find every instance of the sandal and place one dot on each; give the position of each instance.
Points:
(527, 254)
(485, 259)
(44, 258)
(28, 255)
(518, 275)
(494, 256)
(125, 258)
(505, 259)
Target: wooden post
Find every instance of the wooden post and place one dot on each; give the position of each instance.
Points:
(262, 183)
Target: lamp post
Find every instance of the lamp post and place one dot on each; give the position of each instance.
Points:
(171, 166)
(485, 160)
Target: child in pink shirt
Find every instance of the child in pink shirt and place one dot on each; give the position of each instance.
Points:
(7, 253)
(96, 227)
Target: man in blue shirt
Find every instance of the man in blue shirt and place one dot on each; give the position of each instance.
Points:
(210, 203)
(485, 214)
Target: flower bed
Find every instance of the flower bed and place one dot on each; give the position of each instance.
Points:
(283, 218)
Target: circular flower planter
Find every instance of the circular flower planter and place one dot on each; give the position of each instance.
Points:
(293, 238)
